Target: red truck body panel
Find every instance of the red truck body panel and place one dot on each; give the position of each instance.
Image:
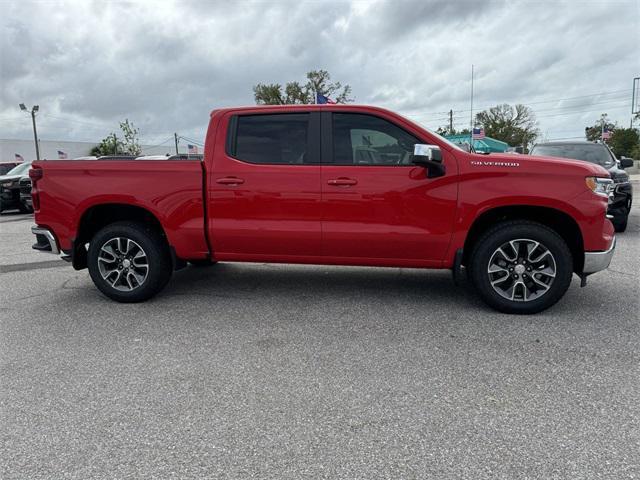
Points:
(387, 216)
(170, 190)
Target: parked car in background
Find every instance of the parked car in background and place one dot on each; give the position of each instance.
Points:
(334, 185)
(10, 188)
(25, 192)
(180, 156)
(6, 166)
(115, 157)
(600, 154)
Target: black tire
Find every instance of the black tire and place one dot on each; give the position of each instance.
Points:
(156, 255)
(486, 248)
(620, 223)
(201, 263)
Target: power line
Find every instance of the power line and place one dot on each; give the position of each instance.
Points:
(160, 144)
(200, 144)
(581, 105)
(612, 92)
(564, 114)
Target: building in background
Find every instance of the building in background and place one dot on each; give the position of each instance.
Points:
(49, 149)
(486, 144)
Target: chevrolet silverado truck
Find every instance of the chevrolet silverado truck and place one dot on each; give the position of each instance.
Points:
(331, 185)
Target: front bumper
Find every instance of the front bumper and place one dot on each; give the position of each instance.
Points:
(45, 240)
(596, 261)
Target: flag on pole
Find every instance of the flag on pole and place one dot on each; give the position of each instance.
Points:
(321, 99)
(477, 133)
(19, 158)
(62, 155)
(192, 149)
(606, 134)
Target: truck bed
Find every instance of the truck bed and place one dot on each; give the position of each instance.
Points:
(172, 190)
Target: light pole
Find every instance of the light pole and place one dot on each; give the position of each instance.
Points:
(33, 120)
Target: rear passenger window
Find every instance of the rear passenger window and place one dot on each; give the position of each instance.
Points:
(272, 139)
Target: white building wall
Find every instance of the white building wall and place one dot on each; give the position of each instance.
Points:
(49, 149)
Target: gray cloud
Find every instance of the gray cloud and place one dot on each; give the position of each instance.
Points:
(167, 65)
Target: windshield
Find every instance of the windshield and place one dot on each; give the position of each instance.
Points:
(593, 153)
(21, 169)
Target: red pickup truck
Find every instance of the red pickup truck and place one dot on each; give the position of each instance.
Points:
(334, 185)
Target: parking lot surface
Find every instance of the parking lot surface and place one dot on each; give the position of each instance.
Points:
(279, 371)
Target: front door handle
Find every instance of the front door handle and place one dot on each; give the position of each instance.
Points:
(230, 181)
(342, 182)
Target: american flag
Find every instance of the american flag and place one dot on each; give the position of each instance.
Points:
(62, 155)
(606, 134)
(323, 99)
(19, 158)
(477, 133)
(192, 149)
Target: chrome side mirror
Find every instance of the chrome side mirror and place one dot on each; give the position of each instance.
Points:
(430, 153)
(429, 157)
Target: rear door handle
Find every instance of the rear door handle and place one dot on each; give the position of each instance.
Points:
(342, 182)
(230, 181)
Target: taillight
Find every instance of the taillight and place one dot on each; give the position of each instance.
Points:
(35, 174)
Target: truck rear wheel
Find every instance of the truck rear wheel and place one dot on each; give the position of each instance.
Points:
(521, 267)
(129, 262)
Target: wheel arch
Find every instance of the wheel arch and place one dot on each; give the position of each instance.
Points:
(100, 215)
(559, 221)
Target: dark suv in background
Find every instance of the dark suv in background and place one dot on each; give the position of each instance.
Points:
(598, 153)
(10, 189)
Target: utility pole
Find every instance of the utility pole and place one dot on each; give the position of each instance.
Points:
(33, 112)
(471, 120)
(450, 122)
(175, 137)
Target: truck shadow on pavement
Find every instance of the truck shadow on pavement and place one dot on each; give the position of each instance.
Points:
(320, 284)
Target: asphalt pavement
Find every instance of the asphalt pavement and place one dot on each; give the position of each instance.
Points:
(280, 371)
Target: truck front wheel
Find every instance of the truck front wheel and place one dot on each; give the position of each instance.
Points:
(129, 262)
(521, 267)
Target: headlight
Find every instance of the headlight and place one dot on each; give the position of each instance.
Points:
(6, 184)
(599, 185)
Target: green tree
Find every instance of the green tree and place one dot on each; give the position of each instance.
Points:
(127, 144)
(447, 131)
(318, 81)
(623, 141)
(594, 132)
(131, 143)
(109, 145)
(515, 125)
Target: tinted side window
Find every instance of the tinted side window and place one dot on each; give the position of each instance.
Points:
(272, 139)
(367, 140)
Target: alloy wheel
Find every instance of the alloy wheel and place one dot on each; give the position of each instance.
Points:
(123, 264)
(522, 270)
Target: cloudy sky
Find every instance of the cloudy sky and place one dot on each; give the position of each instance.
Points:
(166, 64)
